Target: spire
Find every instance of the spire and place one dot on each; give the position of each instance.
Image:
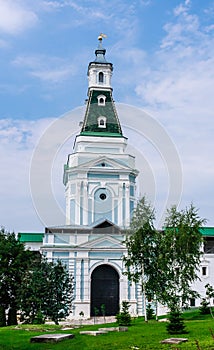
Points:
(100, 51)
(101, 117)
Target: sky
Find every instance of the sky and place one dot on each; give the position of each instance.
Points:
(163, 81)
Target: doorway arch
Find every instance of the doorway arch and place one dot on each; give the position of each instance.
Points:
(105, 290)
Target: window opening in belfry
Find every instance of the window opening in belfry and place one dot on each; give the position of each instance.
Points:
(101, 122)
(101, 77)
(101, 100)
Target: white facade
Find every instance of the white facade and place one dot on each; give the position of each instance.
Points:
(85, 249)
(100, 181)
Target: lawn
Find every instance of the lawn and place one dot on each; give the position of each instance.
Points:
(140, 335)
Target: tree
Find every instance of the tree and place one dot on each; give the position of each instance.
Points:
(47, 291)
(176, 324)
(141, 242)
(34, 291)
(14, 261)
(60, 298)
(164, 262)
(150, 312)
(204, 307)
(209, 295)
(123, 317)
(180, 247)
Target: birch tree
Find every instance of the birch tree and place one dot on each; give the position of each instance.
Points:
(141, 243)
(181, 249)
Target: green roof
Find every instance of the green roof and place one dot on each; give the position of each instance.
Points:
(207, 231)
(94, 111)
(31, 237)
(98, 133)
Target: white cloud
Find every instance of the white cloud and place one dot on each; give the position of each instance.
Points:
(15, 17)
(18, 139)
(46, 68)
(181, 73)
(86, 12)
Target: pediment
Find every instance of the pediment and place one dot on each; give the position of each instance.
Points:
(105, 163)
(104, 223)
(106, 242)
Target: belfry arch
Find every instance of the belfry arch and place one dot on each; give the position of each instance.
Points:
(105, 290)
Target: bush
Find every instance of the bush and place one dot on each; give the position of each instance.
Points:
(39, 319)
(176, 324)
(204, 308)
(124, 318)
(2, 316)
(150, 312)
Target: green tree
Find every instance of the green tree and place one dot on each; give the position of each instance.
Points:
(47, 291)
(103, 310)
(123, 317)
(59, 302)
(14, 261)
(180, 248)
(209, 295)
(35, 291)
(204, 307)
(176, 324)
(141, 243)
(150, 312)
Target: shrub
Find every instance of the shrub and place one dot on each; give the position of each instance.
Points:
(123, 317)
(2, 316)
(39, 319)
(176, 324)
(204, 308)
(150, 312)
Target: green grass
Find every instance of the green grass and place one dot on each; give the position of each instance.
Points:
(140, 334)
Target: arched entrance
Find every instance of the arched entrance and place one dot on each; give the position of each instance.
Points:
(105, 290)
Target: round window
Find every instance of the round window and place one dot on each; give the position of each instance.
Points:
(102, 196)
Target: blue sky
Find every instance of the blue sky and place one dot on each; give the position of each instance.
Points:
(163, 57)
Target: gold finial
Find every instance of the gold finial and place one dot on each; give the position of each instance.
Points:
(101, 36)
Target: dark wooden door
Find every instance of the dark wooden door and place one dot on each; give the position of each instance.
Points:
(105, 290)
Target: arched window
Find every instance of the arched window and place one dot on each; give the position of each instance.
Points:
(101, 77)
(101, 100)
(101, 122)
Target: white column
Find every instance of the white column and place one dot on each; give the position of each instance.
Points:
(86, 280)
(120, 204)
(77, 204)
(78, 278)
(68, 219)
(85, 203)
(127, 197)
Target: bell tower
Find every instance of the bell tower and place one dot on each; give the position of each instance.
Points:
(99, 176)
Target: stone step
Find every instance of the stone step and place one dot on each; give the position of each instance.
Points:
(95, 333)
(174, 340)
(51, 338)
